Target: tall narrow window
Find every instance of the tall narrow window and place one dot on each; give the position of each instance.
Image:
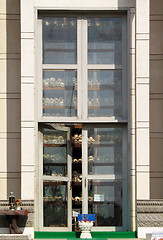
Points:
(83, 119)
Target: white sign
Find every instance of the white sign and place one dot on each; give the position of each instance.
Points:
(157, 236)
(98, 197)
(75, 212)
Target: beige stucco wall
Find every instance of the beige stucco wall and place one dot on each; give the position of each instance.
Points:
(156, 99)
(9, 98)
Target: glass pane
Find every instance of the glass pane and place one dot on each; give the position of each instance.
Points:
(54, 153)
(55, 204)
(105, 151)
(59, 40)
(104, 41)
(105, 201)
(60, 93)
(104, 93)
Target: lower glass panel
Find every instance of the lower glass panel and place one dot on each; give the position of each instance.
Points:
(54, 152)
(105, 151)
(105, 200)
(55, 204)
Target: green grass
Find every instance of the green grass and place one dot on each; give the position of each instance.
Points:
(76, 235)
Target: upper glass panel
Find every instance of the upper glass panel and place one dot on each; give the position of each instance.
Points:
(59, 40)
(104, 93)
(104, 41)
(60, 93)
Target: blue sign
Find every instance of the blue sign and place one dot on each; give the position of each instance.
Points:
(86, 217)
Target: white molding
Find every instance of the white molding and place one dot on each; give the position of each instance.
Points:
(144, 231)
(142, 97)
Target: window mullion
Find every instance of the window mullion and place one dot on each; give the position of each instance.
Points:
(59, 66)
(84, 63)
(79, 71)
(105, 66)
(39, 86)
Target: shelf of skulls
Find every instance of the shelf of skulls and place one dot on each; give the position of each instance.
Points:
(76, 178)
(77, 140)
(100, 107)
(59, 103)
(54, 145)
(54, 200)
(58, 107)
(61, 88)
(102, 87)
(77, 161)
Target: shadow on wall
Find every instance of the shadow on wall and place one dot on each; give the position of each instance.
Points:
(13, 98)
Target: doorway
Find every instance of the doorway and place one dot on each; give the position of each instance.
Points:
(83, 171)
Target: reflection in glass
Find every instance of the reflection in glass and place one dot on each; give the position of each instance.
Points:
(59, 40)
(105, 201)
(60, 93)
(104, 40)
(104, 93)
(105, 151)
(55, 204)
(54, 152)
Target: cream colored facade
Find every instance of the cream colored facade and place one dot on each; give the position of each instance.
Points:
(19, 103)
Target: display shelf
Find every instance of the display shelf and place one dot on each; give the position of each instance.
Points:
(55, 164)
(59, 107)
(54, 202)
(104, 164)
(102, 202)
(77, 183)
(93, 88)
(101, 145)
(77, 145)
(100, 107)
(92, 202)
(54, 145)
(58, 50)
(76, 203)
(77, 163)
(60, 88)
(102, 87)
(115, 182)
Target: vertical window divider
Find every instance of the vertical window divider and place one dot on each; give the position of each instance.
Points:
(41, 180)
(124, 177)
(79, 70)
(124, 72)
(39, 92)
(84, 170)
(84, 63)
(69, 174)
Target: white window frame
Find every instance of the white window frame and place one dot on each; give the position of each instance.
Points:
(82, 70)
(82, 109)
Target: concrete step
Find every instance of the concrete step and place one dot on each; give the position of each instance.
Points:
(93, 239)
(15, 237)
